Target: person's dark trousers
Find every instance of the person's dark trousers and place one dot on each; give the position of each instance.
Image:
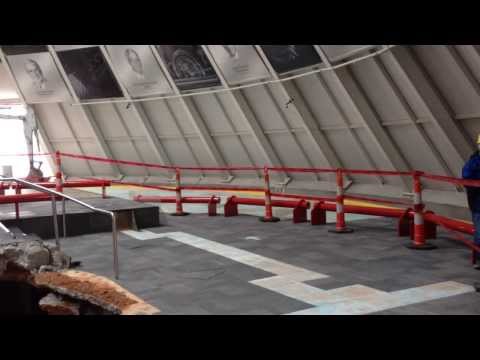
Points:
(476, 223)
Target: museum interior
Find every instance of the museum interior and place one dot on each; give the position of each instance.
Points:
(239, 180)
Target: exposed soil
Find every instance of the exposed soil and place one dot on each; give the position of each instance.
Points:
(95, 290)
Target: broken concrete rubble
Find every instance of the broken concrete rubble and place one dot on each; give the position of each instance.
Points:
(45, 267)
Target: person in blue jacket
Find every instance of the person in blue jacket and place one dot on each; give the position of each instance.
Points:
(471, 171)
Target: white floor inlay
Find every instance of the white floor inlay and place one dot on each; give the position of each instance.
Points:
(288, 281)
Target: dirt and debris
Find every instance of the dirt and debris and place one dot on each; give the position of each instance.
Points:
(94, 292)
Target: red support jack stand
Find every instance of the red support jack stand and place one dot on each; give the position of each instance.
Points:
(419, 242)
(318, 215)
(178, 194)
(268, 200)
(58, 173)
(405, 224)
(340, 227)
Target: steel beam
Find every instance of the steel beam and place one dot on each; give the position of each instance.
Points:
(413, 72)
(291, 92)
(244, 109)
(145, 123)
(195, 119)
(369, 118)
(86, 112)
(412, 118)
(344, 117)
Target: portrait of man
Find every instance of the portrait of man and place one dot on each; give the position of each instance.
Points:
(136, 65)
(36, 74)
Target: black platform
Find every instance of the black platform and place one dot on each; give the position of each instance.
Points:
(36, 218)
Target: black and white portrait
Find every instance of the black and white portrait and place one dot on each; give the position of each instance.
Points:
(138, 70)
(36, 74)
(286, 58)
(135, 63)
(239, 63)
(189, 66)
(89, 73)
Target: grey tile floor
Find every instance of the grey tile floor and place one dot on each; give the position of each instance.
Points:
(181, 279)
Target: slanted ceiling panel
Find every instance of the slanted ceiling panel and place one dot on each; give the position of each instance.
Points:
(455, 78)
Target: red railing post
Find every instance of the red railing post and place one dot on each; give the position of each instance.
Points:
(340, 227)
(178, 195)
(419, 242)
(268, 199)
(58, 172)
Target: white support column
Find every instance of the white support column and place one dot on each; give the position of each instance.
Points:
(86, 112)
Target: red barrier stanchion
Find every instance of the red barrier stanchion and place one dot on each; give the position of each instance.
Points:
(58, 173)
(268, 199)
(340, 227)
(178, 195)
(419, 242)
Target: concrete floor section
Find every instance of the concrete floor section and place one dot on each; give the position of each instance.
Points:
(214, 265)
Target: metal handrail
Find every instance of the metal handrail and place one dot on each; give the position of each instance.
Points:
(7, 230)
(76, 201)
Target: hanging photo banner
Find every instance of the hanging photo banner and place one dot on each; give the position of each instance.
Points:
(189, 66)
(7, 87)
(339, 52)
(286, 58)
(89, 73)
(36, 74)
(71, 47)
(239, 63)
(138, 70)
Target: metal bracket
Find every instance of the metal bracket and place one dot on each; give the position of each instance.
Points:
(228, 179)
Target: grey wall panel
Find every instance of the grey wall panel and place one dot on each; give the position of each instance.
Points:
(212, 113)
(234, 115)
(290, 155)
(149, 156)
(315, 95)
(263, 108)
(470, 54)
(53, 120)
(251, 146)
(99, 168)
(130, 119)
(181, 116)
(414, 149)
(160, 116)
(380, 162)
(291, 116)
(472, 127)
(379, 92)
(448, 78)
(332, 82)
(108, 121)
(453, 162)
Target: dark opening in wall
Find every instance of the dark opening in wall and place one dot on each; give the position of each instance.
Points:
(20, 298)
